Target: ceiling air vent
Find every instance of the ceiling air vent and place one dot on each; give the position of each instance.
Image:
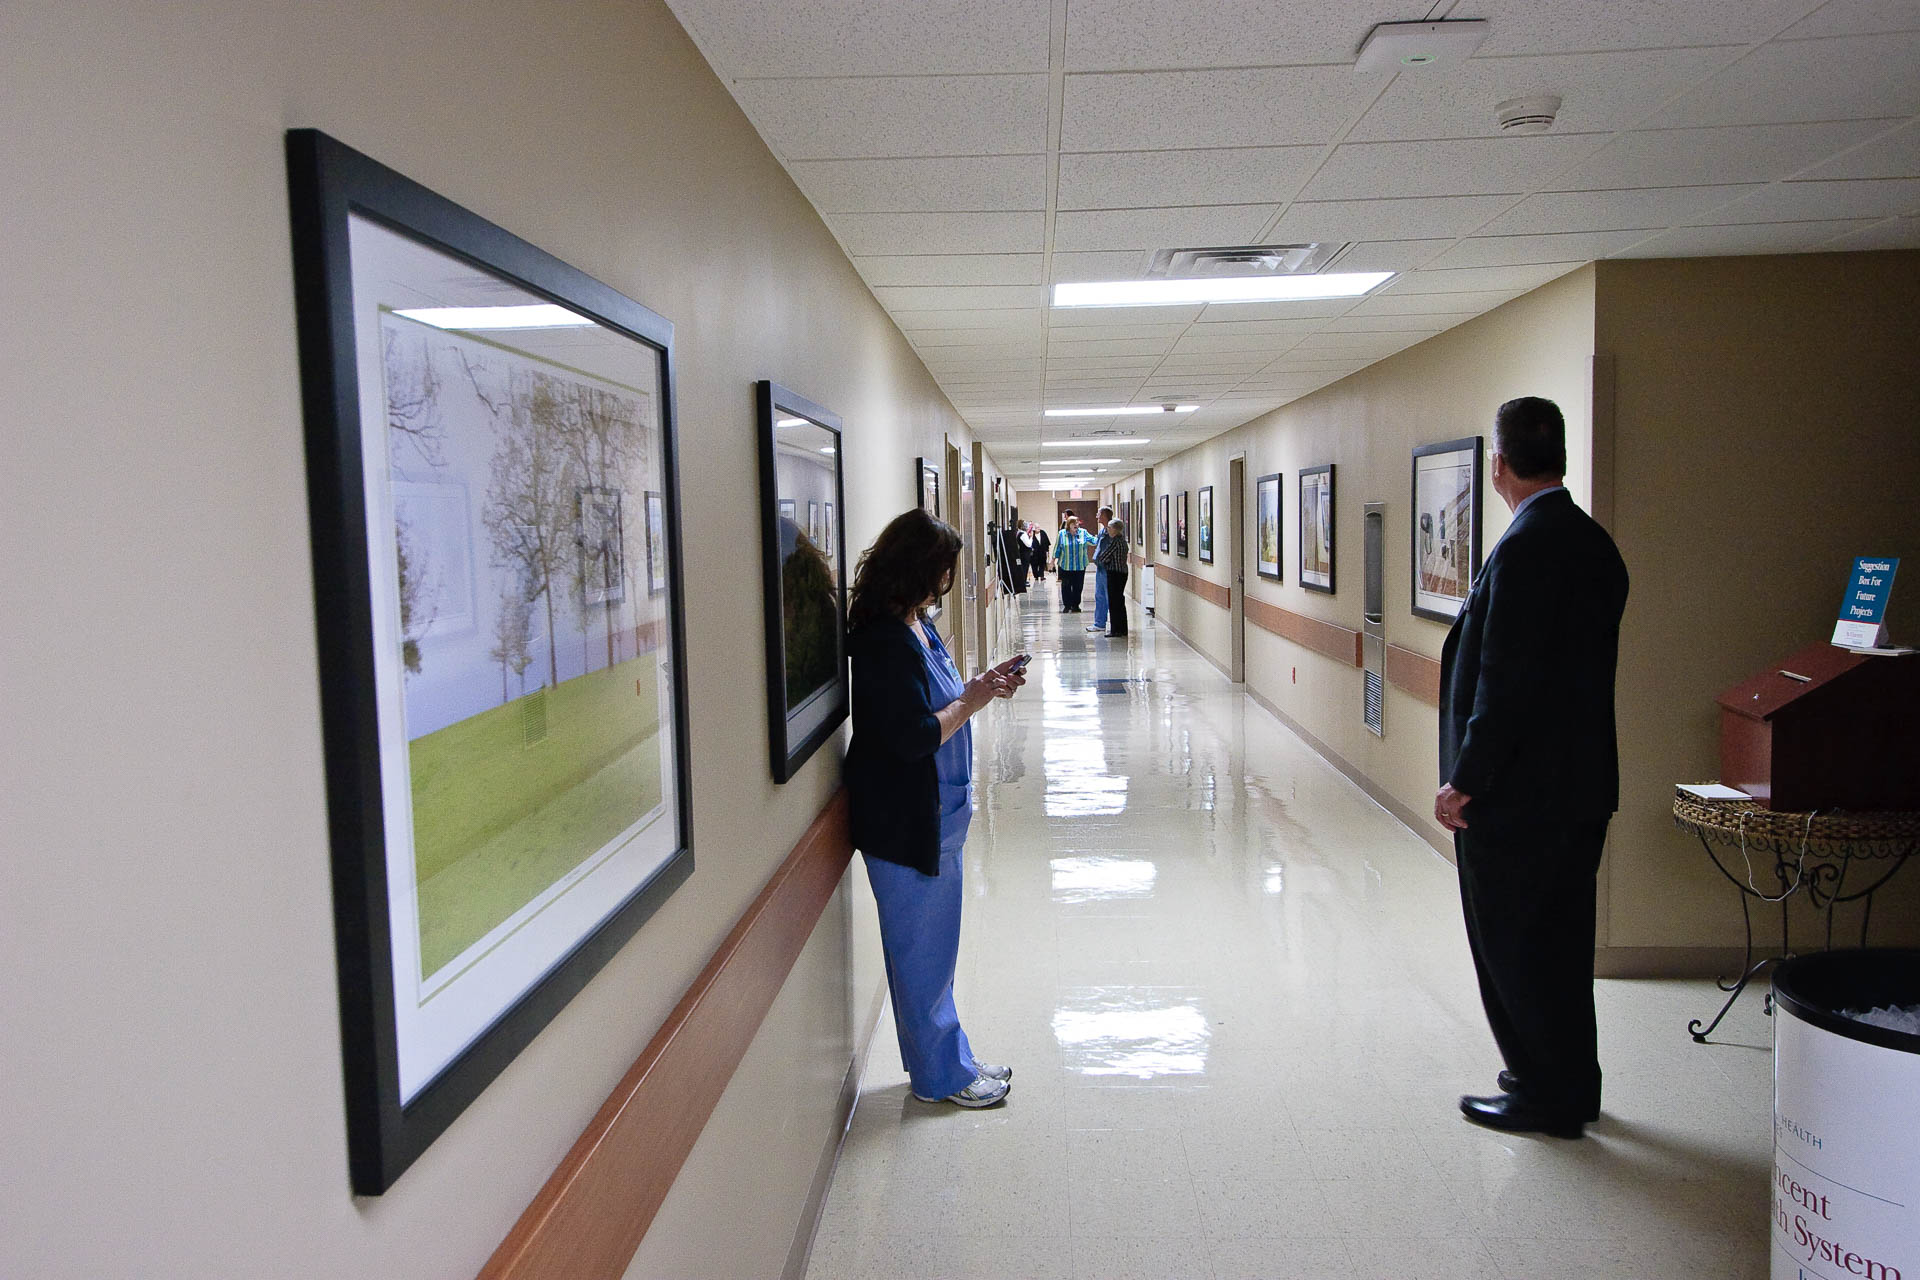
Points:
(1244, 260)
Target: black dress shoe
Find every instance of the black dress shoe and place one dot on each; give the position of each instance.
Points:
(1511, 1113)
(1510, 1083)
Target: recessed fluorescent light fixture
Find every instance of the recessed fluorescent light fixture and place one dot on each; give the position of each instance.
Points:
(1095, 442)
(543, 315)
(1079, 462)
(1170, 293)
(1119, 411)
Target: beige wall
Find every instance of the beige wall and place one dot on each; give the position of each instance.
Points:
(1762, 436)
(1367, 426)
(1766, 435)
(171, 1045)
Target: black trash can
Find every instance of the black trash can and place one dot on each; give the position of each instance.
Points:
(1846, 1119)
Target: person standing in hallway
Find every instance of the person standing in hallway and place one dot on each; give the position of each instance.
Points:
(1071, 551)
(1111, 561)
(1530, 775)
(1040, 543)
(1099, 577)
(909, 778)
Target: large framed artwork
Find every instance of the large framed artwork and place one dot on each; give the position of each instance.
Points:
(1316, 528)
(504, 709)
(1180, 524)
(803, 575)
(1137, 527)
(1166, 522)
(1266, 528)
(1206, 524)
(1446, 526)
(926, 479)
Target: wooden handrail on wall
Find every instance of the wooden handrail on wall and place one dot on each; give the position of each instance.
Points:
(1327, 638)
(1418, 674)
(1211, 592)
(589, 1219)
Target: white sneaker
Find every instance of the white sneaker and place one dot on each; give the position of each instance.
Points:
(992, 1072)
(983, 1092)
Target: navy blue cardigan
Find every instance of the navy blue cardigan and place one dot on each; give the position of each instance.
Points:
(892, 783)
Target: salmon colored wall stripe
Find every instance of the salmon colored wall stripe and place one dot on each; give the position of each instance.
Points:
(1334, 641)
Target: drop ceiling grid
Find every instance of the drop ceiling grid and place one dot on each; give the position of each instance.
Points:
(973, 153)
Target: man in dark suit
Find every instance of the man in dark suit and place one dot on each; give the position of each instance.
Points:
(1530, 774)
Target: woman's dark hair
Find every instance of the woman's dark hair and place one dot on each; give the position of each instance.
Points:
(913, 558)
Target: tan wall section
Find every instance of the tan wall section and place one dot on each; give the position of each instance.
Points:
(1367, 425)
(1766, 436)
(171, 1040)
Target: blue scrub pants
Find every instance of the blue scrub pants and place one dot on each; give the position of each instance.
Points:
(920, 936)
(1099, 598)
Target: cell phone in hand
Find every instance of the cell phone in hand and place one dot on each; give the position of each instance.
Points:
(1019, 664)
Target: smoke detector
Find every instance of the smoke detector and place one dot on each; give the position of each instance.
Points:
(1527, 115)
(1243, 260)
(1411, 46)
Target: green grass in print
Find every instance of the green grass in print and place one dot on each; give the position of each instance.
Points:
(497, 821)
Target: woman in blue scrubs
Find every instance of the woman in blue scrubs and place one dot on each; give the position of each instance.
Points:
(909, 778)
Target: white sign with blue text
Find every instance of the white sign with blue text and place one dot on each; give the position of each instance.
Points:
(1863, 614)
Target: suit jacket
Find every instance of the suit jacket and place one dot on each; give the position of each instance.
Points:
(1527, 673)
(893, 786)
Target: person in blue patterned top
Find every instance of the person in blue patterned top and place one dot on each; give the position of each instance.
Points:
(1072, 552)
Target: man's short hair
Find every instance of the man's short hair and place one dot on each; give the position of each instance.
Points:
(1106, 511)
(1531, 435)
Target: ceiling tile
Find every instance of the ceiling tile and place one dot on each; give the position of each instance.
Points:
(889, 234)
(1153, 229)
(1065, 338)
(867, 37)
(922, 338)
(1759, 237)
(1599, 92)
(1461, 167)
(1421, 218)
(1059, 350)
(1390, 255)
(1561, 211)
(1818, 201)
(1474, 279)
(1291, 327)
(1415, 304)
(1858, 18)
(1210, 339)
(1228, 175)
(1138, 35)
(1008, 321)
(848, 118)
(1843, 78)
(1396, 323)
(1264, 106)
(1893, 233)
(1894, 154)
(951, 269)
(939, 184)
(1095, 317)
(1697, 157)
(1367, 344)
(1529, 26)
(1504, 251)
(961, 297)
(1228, 312)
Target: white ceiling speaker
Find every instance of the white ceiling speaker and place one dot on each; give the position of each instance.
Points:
(1413, 46)
(1527, 115)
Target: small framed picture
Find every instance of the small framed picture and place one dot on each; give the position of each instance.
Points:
(927, 482)
(1139, 523)
(1180, 525)
(1165, 521)
(1446, 526)
(1316, 528)
(1267, 527)
(1206, 524)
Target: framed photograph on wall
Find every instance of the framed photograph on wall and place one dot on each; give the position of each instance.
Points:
(1165, 521)
(1137, 529)
(1316, 528)
(1206, 524)
(1446, 526)
(927, 482)
(1180, 524)
(803, 577)
(1266, 528)
(504, 711)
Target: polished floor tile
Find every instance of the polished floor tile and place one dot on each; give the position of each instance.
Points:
(1237, 998)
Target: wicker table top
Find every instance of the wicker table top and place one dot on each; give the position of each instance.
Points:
(1834, 834)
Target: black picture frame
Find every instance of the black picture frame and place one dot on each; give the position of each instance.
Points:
(1166, 522)
(1180, 525)
(795, 436)
(1444, 552)
(1269, 523)
(400, 1096)
(926, 482)
(1317, 528)
(1206, 524)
